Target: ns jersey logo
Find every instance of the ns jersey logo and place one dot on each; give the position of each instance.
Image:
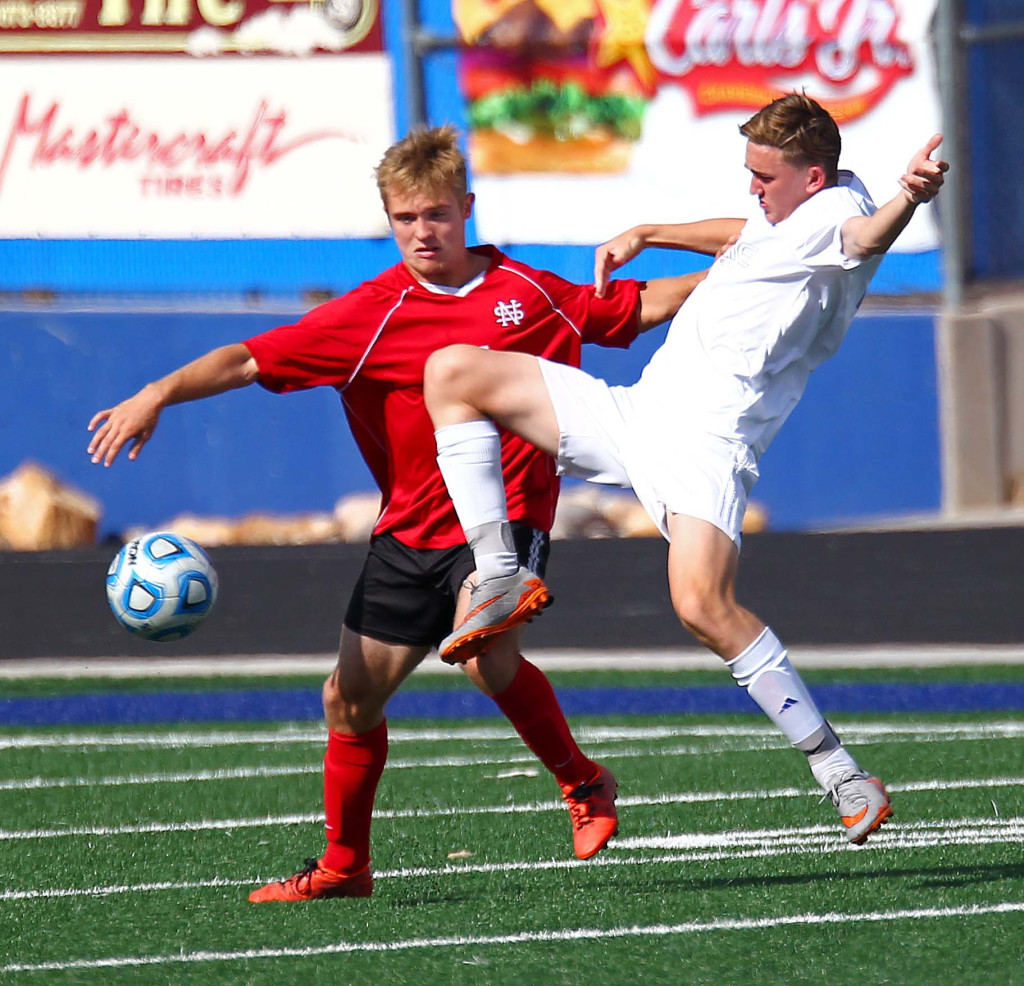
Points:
(509, 313)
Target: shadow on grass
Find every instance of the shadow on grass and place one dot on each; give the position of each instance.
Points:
(932, 876)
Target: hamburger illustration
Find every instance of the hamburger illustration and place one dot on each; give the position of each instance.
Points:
(542, 92)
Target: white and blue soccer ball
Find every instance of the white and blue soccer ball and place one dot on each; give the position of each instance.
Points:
(161, 586)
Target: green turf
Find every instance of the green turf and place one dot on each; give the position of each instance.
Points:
(954, 845)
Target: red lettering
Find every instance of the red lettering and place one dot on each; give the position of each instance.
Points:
(715, 46)
(120, 139)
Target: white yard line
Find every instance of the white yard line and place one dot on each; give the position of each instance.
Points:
(67, 739)
(107, 891)
(768, 740)
(689, 847)
(308, 818)
(567, 659)
(527, 937)
(257, 773)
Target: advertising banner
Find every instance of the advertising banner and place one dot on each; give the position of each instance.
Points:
(589, 116)
(175, 119)
(195, 27)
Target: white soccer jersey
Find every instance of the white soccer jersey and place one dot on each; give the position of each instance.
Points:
(738, 354)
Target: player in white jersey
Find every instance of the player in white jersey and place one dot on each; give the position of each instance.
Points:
(688, 435)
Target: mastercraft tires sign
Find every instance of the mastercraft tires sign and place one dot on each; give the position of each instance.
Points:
(164, 119)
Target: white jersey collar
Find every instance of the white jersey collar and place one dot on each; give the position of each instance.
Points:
(459, 292)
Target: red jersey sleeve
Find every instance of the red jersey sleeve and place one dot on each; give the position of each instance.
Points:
(322, 349)
(613, 320)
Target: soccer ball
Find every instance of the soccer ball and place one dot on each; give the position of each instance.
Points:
(161, 586)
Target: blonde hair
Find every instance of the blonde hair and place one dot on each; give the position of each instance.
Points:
(427, 160)
(801, 129)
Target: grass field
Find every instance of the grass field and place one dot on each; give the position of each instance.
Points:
(126, 854)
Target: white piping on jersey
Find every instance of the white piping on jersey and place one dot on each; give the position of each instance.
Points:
(373, 341)
(554, 308)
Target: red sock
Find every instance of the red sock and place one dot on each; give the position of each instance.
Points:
(531, 705)
(353, 764)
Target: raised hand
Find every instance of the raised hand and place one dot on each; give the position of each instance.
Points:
(613, 254)
(133, 420)
(924, 176)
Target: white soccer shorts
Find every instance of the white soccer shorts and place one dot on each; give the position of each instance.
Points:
(602, 440)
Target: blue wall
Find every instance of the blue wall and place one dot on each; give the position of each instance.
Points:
(995, 80)
(245, 450)
(864, 442)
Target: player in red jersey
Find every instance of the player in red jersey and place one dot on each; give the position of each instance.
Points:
(371, 346)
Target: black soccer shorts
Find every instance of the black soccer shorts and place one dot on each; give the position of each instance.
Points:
(407, 595)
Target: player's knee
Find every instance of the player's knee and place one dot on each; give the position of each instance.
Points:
(331, 696)
(447, 370)
(338, 697)
(701, 611)
(348, 708)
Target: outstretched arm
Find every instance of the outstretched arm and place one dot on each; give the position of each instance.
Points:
(134, 419)
(707, 236)
(865, 236)
(662, 297)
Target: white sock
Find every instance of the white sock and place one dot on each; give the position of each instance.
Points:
(469, 457)
(763, 669)
(829, 769)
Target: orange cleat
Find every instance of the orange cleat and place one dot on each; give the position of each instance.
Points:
(593, 814)
(313, 882)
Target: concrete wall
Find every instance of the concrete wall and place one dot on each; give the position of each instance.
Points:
(981, 373)
(814, 589)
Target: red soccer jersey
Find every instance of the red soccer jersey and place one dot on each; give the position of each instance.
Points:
(372, 343)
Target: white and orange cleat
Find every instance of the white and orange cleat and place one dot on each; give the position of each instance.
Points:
(862, 803)
(496, 605)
